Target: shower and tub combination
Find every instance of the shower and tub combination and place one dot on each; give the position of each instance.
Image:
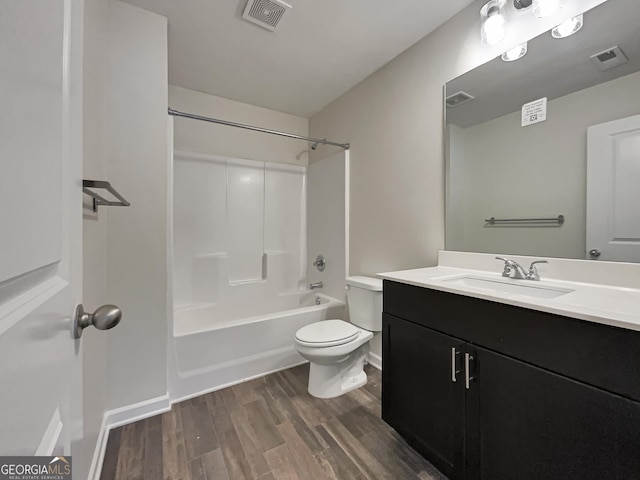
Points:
(241, 288)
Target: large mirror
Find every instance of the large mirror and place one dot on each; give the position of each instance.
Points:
(567, 186)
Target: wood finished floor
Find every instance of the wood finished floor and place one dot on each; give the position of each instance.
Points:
(267, 429)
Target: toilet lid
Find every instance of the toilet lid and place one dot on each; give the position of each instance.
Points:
(327, 333)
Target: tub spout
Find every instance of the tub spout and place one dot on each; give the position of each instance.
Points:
(315, 285)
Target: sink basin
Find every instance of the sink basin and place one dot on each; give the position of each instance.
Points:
(523, 287)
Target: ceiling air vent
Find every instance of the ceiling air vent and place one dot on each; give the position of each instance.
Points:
(266, 13)
(458, 99)
(609, 58)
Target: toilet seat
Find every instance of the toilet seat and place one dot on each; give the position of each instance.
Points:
(328, 333)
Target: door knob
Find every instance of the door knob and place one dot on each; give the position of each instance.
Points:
(595, 252)
(104, 318)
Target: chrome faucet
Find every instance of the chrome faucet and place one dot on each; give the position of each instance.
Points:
(533, 274)
(513, 269)
(315, 285)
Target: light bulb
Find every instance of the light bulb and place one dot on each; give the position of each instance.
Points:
(568, 27)
(493, 23)
(515, 53)
(545, 8)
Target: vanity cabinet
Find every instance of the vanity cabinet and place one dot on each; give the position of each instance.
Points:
(548, 397)
(416, 364)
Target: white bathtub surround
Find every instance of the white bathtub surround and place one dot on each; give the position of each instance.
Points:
(239, 230)
(601, 292)
(210, 355)
(239, 271)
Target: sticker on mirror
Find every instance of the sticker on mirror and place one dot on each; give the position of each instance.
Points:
(534, 112)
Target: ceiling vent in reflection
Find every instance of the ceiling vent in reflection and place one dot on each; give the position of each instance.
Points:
(266, 13)
(609, 58)
(458, 99)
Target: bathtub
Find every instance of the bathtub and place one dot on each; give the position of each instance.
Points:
(214, 347)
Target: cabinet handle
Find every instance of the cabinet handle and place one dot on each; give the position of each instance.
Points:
(454, 370)
(467, 376)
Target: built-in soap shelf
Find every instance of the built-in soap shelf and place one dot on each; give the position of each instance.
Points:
(98, 199)
(211, 283)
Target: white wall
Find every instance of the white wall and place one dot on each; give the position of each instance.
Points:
(394, 122)
(203, 137)
(137, 235)
(546, 163)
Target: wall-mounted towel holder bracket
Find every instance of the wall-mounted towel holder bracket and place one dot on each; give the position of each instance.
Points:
(98, 199)
(559, 220)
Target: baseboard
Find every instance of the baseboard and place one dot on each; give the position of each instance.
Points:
(123, 416)
(375, 360)
(51, 436)
(98, 453)
(138, 411)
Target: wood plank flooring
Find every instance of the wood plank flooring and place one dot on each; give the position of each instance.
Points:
(267, 429)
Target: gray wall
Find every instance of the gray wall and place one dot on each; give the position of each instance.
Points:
(507, 171)
(124, 249)
(203, 137)
(326, 223)
(137, 235)
(394, 122)
(94, 249)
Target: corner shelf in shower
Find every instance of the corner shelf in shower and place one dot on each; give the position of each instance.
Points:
(98, 199)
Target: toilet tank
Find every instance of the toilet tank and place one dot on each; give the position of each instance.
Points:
(364, 298)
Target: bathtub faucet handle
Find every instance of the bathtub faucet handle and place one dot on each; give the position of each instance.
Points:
(320, 263)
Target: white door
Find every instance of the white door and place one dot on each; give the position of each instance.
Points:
(40, 224)
(613, 190)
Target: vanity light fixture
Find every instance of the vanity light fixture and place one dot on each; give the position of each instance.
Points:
(515, 53)
(545, 8)
(568, 27)
(493, 22)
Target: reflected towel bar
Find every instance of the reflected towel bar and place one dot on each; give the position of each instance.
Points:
(99, 199)
(559, 220)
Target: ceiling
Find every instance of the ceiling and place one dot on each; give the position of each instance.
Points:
(320, 50)
(552, 67)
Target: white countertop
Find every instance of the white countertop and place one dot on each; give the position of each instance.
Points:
(610, 305)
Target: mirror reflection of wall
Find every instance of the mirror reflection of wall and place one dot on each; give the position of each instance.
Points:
(498, 168)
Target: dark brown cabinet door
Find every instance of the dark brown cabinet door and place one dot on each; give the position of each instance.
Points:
(419, 397)
(527, 423)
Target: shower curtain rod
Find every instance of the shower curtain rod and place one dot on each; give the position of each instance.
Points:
(176, 113)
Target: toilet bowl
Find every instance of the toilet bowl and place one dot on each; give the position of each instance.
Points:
(337, 350)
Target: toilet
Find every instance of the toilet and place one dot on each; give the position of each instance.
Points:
(337, 350)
